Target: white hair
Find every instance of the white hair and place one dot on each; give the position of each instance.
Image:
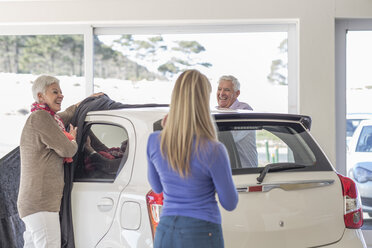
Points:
(232, 79)
(41, 84)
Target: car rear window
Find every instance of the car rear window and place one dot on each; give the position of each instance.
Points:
(253, 145)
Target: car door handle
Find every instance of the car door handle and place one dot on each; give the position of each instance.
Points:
(105, 204)
(295, 185)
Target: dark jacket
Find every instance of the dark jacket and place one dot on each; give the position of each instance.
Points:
(89, 104)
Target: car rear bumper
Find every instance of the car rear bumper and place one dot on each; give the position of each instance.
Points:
(352, 238)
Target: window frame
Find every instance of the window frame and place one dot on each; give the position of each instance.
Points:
(342, 26)
(61, 29)
(88, 30)
(171, 27)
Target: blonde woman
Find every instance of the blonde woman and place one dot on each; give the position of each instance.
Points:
(189, 165)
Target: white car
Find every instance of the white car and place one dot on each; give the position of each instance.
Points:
(352, 122)
(290, 196)
(360, 162)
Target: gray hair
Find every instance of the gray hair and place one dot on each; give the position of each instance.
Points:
(41, 84)
(234, 81)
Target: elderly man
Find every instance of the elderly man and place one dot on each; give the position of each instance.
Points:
(227, 97)
(228, 92)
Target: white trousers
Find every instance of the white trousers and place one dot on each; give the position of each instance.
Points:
(42, 230)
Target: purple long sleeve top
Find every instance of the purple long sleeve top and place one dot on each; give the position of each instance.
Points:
(193, 196)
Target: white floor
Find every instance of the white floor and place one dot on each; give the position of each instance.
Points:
(368, 237)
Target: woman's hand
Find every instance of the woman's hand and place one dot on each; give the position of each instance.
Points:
(97, 94)
(88, 144)
(93, 95)
(88, 147)
(73, 131)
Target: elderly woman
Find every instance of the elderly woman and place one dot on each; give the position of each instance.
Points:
(45, 146)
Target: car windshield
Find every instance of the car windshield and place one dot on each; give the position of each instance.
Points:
(252, 146)
(351, 125)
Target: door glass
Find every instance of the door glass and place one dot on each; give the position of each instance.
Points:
(104, 154)
(22, 59)
(359, 112)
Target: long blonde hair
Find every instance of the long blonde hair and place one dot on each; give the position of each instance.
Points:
(189, 117)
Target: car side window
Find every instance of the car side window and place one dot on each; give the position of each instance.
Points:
(104, 153)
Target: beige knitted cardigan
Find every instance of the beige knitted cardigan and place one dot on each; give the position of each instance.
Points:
(43, 147)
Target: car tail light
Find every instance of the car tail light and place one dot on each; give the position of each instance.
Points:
(353, 215)
(154, 205)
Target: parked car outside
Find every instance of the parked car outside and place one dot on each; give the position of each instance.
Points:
(292, 197)
(360, 161)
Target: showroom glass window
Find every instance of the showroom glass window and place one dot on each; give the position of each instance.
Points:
(22, 59)
(359, 113)
(141, 65)
(131, 65)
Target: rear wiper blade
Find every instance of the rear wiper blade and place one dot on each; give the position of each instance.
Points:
(278, 167)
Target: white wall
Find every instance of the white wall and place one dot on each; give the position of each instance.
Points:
(316, 20)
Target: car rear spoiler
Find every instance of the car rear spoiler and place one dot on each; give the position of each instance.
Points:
(303, 119)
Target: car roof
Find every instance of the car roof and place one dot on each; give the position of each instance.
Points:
(366, 123)
(219, 114)
(359, 116)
